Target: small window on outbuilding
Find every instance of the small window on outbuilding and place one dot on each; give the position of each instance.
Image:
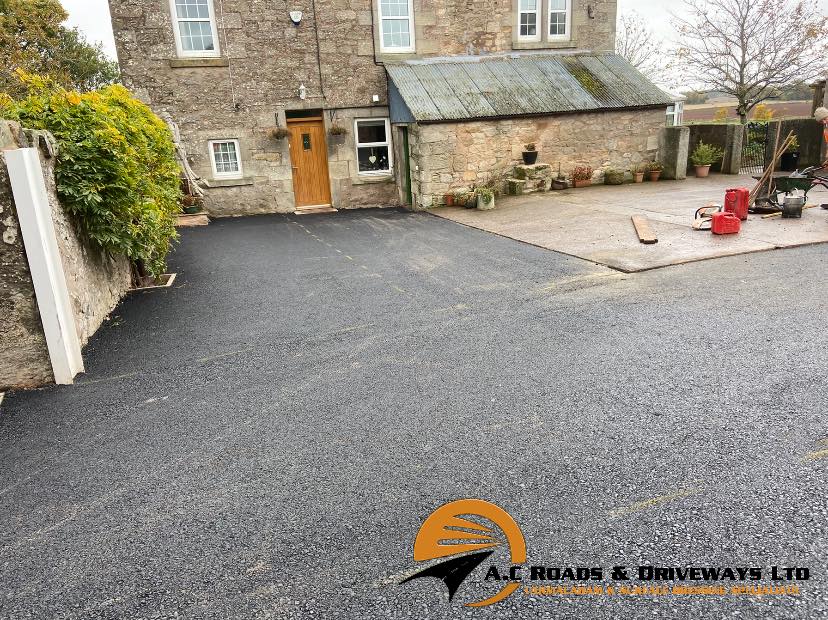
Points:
(194, 24)
(226, 160)
(373, 146)
(675, 114)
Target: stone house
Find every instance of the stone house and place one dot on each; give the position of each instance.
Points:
(290, 105)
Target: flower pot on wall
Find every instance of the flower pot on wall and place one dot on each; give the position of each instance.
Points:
(702, 171)
(530, 157)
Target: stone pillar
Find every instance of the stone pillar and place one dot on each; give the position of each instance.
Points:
(673, 145)
(732, 161)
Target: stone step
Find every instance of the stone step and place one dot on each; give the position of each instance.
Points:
(319, 209)
(535, 171)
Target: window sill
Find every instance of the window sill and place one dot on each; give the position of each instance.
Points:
(543, 45)
(229, 182)
(365, 179)
(183, 63)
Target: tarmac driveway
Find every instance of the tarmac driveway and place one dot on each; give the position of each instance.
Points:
(264, 439)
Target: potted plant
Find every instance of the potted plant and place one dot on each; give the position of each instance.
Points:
(613, 176)
(449, 199)
(466, 199)
(790, 158)
(582, 176)
(485, 198)
(337, 133)
(704, 156)
(559, 182)
(638, 173)
(654, 169)
(278, 133)
(191, 204)
(530, 154)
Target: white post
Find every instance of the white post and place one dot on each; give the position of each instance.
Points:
(38, 231)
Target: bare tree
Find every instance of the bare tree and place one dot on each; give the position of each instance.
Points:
(636, 43)
(749, 48)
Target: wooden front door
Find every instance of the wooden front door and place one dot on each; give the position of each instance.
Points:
(309, 158)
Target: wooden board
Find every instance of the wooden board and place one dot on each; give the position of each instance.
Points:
(645, 232)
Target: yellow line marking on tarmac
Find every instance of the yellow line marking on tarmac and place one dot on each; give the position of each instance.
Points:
(221, 355)
(349, 257)
(590, 276)
(813, 456)
(655, 501)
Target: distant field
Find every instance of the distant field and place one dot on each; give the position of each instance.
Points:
(781, 109)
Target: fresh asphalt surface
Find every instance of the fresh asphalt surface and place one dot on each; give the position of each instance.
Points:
(264, 439)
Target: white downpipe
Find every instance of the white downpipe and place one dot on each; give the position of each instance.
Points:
(38, 231)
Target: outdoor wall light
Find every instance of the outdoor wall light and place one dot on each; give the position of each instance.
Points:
(303, 92)
(296, 17)
(590, 11)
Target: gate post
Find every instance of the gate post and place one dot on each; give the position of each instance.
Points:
(732, 161)
(45, 265)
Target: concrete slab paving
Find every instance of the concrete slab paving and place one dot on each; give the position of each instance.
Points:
(594, 223)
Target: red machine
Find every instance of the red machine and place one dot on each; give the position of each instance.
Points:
(737, 201)
(725, 223)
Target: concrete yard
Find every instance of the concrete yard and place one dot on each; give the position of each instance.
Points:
(594, 223)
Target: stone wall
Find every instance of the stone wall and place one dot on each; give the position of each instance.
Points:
(96, 282)
(455, 155)
(264, 60)
(808, 132)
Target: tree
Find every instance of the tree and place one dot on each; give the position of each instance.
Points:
(750, 48)
(33, 38)
(636, 43)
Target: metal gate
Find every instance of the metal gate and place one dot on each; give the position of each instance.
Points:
(754, 148)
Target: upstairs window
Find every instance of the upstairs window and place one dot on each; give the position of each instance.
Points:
(529, 13)
(560, 17)
(373, 143)
(396, 26)
(195, 28)
(224, 154)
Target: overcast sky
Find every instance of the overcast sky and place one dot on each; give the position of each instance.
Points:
(92, 17)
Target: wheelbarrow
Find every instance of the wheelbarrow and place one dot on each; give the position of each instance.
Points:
(785, 184)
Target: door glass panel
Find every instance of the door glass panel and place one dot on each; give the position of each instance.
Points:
(306, 143)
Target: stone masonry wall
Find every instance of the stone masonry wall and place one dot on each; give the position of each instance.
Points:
(96, 282)
(333, 52)
(455, 155)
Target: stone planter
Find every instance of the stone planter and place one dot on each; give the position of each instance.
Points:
(702, 171)
(483, 205)
(638, 177)
(614, 178)
(655, 175)
(582, 182)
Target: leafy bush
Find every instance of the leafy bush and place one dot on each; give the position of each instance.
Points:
(706, 154)
(655, 166)
(116, 169)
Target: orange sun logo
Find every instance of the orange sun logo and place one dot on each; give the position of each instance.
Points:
(447, 534)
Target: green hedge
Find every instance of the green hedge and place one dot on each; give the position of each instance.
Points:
(116, 169)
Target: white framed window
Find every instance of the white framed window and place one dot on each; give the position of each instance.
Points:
(373, 146)
(529, 20)
(225, 155)
(560, 20)
(194, 24)
(396, 19)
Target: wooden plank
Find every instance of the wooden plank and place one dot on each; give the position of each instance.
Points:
(645, 232)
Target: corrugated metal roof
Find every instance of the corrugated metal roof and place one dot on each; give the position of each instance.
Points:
(518, 84)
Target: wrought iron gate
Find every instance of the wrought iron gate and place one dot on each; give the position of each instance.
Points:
(754, 148)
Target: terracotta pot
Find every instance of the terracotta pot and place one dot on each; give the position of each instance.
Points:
(702, 171)
(655, 174)
(449, 200)
(638, 177)
(583, 183)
